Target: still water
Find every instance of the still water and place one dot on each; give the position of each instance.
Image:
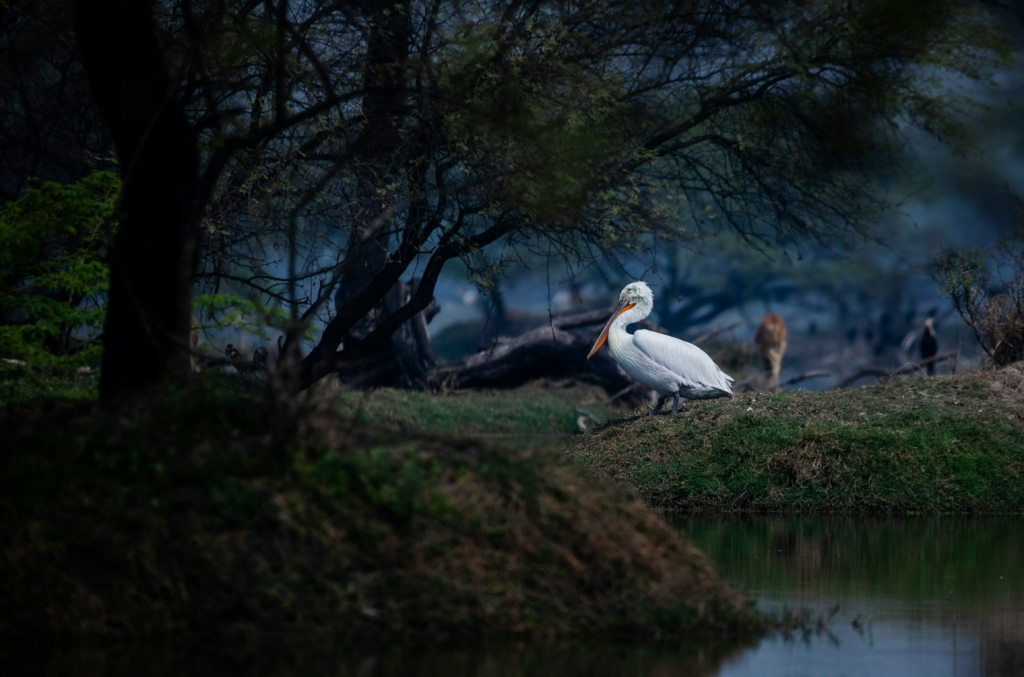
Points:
(928, 597)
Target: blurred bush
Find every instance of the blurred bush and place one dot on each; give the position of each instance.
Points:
(987, 289)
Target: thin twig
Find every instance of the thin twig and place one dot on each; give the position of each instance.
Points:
(704, 337)
(621, 393)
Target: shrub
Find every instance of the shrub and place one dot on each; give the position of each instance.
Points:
(987, 289)
(54, 278)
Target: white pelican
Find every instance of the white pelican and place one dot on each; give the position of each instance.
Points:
(665, 364)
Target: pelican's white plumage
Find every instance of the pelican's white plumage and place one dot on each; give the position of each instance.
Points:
(665, 364)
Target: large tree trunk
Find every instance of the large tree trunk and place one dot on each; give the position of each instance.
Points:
(153, 254)
(407, 360)
(384, 81)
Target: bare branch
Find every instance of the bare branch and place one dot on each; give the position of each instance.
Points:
(907, 368)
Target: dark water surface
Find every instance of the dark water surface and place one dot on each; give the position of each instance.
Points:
(912, 596)
(929, 597)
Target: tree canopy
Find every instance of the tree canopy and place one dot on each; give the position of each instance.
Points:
(346, 146)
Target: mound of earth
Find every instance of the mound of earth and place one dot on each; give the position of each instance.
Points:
(199, 513)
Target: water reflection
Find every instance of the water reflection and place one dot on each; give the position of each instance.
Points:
(929, 597)
(924, 596)
(921, 562)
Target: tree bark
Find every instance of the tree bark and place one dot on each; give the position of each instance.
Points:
(408, 359)
(384, 80)
(153, 254)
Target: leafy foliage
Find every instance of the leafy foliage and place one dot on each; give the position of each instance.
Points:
(53, 242)
(222, 311)
(382, 142)
(53, 247)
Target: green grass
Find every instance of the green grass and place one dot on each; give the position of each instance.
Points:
(951, 444)
(939, 445)
(20, 384)
(538, 414)
(206, 513)
(543, 413)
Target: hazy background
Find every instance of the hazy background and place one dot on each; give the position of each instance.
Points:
(846, 307)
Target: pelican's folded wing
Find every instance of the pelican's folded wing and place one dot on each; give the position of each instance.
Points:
(685, 359)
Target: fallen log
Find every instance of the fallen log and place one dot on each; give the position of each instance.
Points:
(762, 382)
(807, 375)
(905, 369)
(557, 349)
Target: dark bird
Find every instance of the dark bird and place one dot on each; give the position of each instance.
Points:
(232, 353)
(929, 344)
(259, 357)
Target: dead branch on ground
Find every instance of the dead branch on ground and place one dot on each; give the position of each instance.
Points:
(888, 373)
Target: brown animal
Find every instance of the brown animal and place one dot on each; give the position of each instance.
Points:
(771, 339)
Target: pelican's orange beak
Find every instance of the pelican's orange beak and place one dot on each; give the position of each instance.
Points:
(622, 307)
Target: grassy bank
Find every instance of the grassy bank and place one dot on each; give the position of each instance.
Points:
(542, 413)
(949, 444)
(203, 513)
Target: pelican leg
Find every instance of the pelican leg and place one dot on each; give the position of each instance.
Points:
(657, 407)
(675, 403)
